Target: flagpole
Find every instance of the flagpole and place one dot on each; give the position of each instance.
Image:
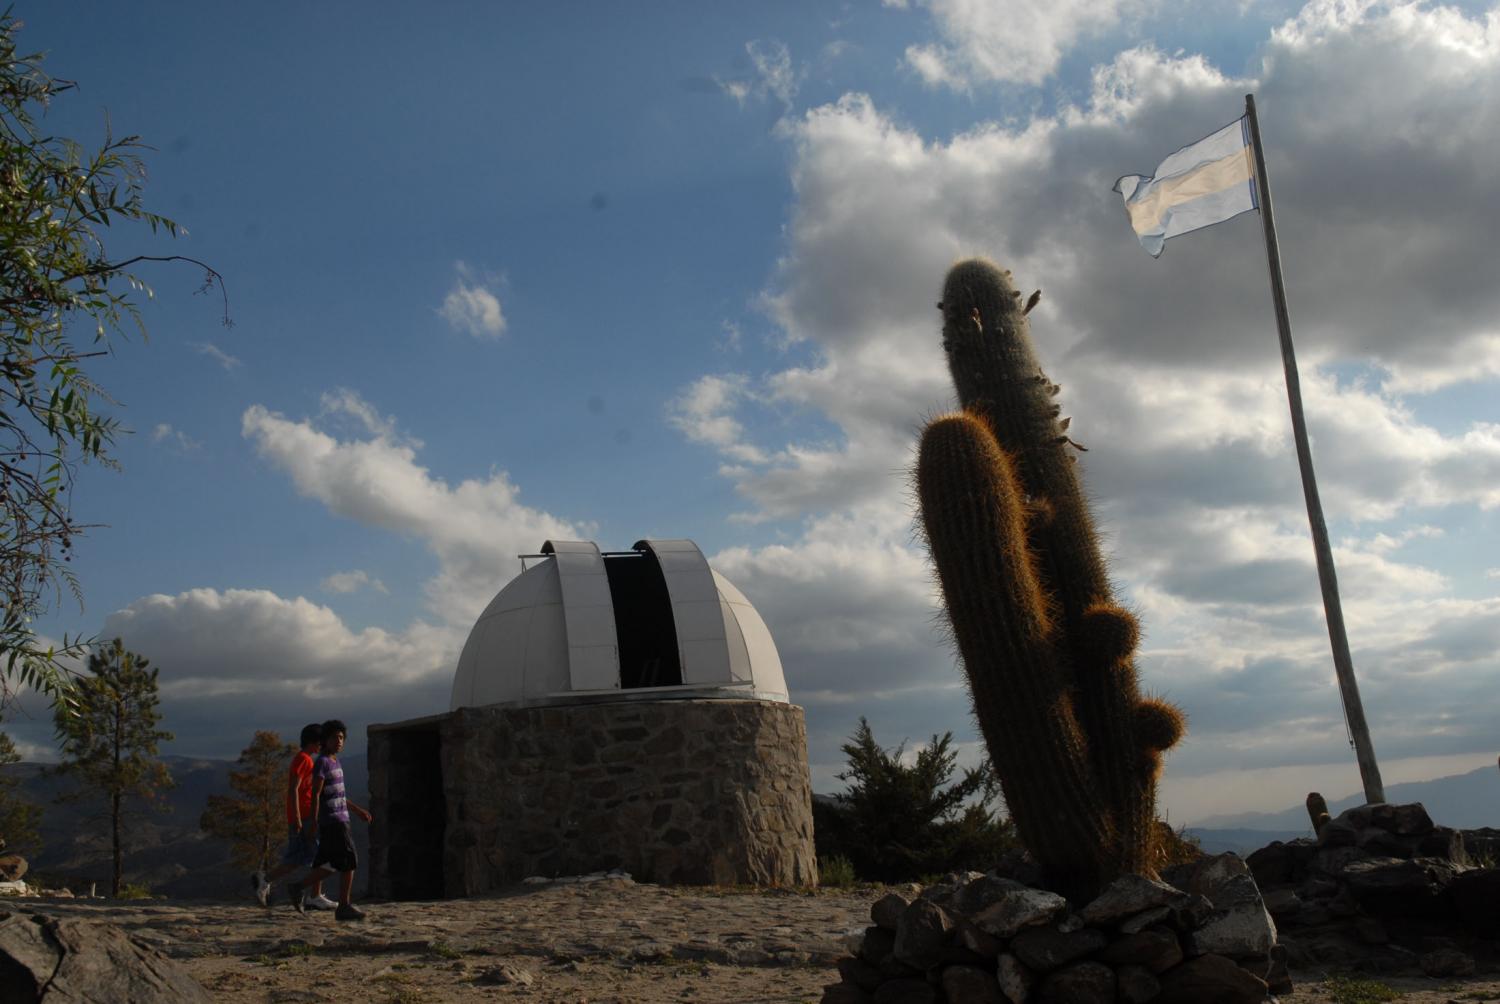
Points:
(1354, 712)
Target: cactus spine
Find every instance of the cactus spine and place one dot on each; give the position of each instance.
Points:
(1048, 653)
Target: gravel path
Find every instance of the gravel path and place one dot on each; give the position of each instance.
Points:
(607, 942)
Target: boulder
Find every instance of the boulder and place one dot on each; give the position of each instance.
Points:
(1080, 983)
(1045, 949)
(1155, 949)
(1136, 985)
(12, 868)
(844, 993)
(887, 910)
(972, 985)
(1129, 895)
(1475, 897)
(1441, 963)
(1016, 981)
(1409, 820)
(907, 991)
(68, 961)
(1399, 887)
(1022, 907)
(922, 933)
(1211, 978)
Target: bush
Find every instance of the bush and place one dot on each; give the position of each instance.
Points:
(898, 821)
(836, 872)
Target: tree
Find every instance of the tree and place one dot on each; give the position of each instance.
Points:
(18, 817)
(253, 820)
(55, 201)
(109, 739)
(899, 822)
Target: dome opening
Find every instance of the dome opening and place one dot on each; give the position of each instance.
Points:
(648, 650)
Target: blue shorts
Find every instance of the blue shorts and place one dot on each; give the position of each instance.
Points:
(298, 851)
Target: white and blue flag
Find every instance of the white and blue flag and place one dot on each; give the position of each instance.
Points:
(1205, 183)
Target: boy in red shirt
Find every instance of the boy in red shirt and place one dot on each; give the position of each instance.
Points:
(301, 822)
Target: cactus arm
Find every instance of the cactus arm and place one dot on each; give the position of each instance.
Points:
(975, 522)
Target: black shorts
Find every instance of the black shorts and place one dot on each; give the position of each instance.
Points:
(336, 847)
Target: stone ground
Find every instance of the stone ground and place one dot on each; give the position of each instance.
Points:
(608, 942)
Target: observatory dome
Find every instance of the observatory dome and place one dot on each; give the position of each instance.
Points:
(581, 625)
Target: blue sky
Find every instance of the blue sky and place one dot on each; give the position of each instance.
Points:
(599, 271)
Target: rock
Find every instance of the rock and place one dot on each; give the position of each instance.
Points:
(844, 993)
(82, 961)
(1445, 962)
(945, 891)
(922, 933)
(982, 893)
(859, 972)
(1282, 903)
(1281, 863)
(907, 991)
(1143, 920)
(1044, 949)
(1242, 931)
(1021, 908)
(1475, 897)
(12, 867)
(984, 945)
(1371, 931)
(1136, 984)
(1211, 978)
(1080, 983)
(1330, 862)
(1155, 950)
(1016, 981)
(1409, 820)
(1397, 887)
(506, 975)
(1383, 843)
(887, 910)
(1444, 842)
(1128, 895)
(1338, 833)
(878, 945)
(971, 984)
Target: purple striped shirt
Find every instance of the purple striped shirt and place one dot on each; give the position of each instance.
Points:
(331, 772)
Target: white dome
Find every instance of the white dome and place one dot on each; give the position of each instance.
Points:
(653, 622)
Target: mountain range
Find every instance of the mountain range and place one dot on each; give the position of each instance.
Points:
(170, 855)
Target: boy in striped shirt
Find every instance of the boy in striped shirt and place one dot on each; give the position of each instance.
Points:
(335, 840)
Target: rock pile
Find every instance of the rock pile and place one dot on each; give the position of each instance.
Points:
(983, 939)
(1381, 889)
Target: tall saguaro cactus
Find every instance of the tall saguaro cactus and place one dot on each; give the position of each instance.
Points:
(1048, 653)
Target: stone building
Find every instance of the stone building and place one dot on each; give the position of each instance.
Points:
(610, 710)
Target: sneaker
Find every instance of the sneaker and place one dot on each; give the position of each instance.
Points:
(321, 902)
(298, 896)
(263, 892)
(348, 911)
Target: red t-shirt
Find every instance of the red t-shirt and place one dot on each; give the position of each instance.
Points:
(300, 773)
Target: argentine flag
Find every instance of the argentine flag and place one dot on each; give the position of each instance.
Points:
(1206, 183)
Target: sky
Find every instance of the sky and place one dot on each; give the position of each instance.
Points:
(503, 273)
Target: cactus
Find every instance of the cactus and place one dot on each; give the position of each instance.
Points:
(1048, 653)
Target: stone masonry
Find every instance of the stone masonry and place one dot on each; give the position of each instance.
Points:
(692, 792)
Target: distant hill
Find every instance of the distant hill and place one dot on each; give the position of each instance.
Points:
(1463, 801)
(164, 850)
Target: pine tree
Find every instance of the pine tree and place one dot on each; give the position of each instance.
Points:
(18, 817)
(109, 740)
(252, 819)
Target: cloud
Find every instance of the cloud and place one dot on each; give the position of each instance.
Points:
(164, 433)
(217, 354)
(475, 527)
(352, 581)
(772, 75)
(472, 305)
(1021, 41)
(1171, 374)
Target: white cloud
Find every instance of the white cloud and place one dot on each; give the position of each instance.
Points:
(472, 305)
(352, 581)
(772, 74)
(702, 414)
(217, 354)
(1021, 41)
(475, 528)
(165, 433)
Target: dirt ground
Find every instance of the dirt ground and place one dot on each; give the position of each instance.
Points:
(607, 942)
